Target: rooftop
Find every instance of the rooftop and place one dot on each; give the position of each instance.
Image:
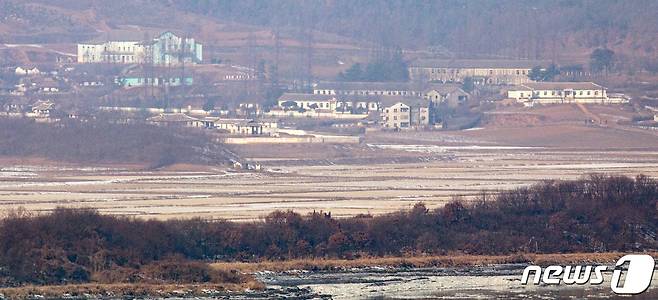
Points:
(173, 117)
(382, 86)
(562, 86)
(43, 105)
(305, 97)
(478, 63)
(126, 35)
(410, 101)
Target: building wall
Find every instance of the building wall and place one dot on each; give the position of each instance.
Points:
(554, 96)
(488, 75)
(140, 81)
(111, 52)
(165, 49)
(419, 116)
(332, 104)
(366, 92)
(397, 116)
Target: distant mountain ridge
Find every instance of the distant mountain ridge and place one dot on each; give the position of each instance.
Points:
(554, 30)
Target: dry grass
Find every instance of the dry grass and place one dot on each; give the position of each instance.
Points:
(169, 290)
(126, 290)
(459, 260)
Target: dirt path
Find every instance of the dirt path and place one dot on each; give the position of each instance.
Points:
(589, 114)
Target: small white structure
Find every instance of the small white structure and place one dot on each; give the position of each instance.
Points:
(27, 71)
(42, 109)
(563, 92)
(175, 120)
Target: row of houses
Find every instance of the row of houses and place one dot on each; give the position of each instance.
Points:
(399, 105)
(227, 125)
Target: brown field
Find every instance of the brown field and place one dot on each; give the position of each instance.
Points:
(390, 171)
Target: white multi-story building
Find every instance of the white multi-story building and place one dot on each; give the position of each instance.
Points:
(165, 49)
(405, 113)
(563, 92)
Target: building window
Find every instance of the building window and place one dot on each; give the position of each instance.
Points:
(589, 93)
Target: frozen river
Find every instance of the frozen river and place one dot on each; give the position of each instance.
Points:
(498, 281)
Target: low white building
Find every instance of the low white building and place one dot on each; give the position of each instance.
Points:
(486, 72)
(27, 71)
(245, 126)
(339, 103)
(563, 92)
(42, 109)
(367, 89)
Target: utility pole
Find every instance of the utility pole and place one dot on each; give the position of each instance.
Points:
(182, 57)
(277, 53)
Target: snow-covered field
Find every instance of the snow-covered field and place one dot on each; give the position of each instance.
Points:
(437, 175)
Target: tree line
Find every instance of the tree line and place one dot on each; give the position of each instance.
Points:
(597, 213)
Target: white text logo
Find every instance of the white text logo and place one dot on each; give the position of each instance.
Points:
(636, 280)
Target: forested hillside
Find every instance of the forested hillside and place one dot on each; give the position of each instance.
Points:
(515, 29)
(511, 28)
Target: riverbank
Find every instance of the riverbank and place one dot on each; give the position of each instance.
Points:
(259, 275)
(443, 261)
(121, 290)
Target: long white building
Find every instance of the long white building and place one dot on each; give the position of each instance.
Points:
(563, 92)
(484, 72)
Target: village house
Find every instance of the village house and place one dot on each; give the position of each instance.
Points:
(140, 81)
(248, 109)
(175, 120)
(44, 85)
(485, 72)
(405, 113)
(451, 95)
(137, 76)
(241, 126)
(132, 48)
(27, 71)
(329, 103)
(563, 92)
(42, 109)
(307, 101)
